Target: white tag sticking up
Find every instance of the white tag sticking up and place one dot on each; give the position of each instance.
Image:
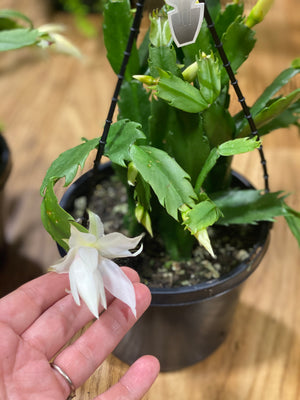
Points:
(185, 20)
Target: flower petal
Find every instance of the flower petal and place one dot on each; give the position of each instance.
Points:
(116, 245)
(96, 227)
(63, 265)
(80, 239)
(117, 283)
(85, 279)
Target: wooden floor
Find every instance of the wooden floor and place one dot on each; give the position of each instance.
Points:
(49, 103)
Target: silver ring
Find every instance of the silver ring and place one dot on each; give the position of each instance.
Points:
(67, 379)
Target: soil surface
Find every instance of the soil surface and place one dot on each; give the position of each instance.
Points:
(231, 245)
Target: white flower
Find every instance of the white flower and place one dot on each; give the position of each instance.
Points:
(91, 269)
(57, 41)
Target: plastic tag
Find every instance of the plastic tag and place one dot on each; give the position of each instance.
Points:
(185, 20)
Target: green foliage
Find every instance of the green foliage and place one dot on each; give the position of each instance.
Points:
(17, 38)
(121, 137)
(169, 182)
(67, 163)
(56, 220)
(13, 33)
(209, 77)
(175, 136)
(180, 94)
(202, 215)
(226, 149)
(261, 109)
(9, 18)
(249, 206)
(116, 31)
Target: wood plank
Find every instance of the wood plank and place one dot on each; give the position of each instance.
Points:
(49, 103)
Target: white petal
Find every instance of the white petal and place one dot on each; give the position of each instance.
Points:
(116, 245)
(63, 45)
(48, 28)
(117, 283)
(63, 265)
(73, 285)
(80, 239)
(96, 227)
(85, 279)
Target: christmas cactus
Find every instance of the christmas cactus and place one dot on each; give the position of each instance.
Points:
(175, 138)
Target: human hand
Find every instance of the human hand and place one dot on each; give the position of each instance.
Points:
(39, 318)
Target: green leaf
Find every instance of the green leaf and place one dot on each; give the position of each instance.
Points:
(207, 167)
(168, 180)
(142, 193)
(229, 148)
(180, 94)
(222, 131)
(184, 134)
(272, 110)
(67, 163)
(160, 33)
(249, 206)
(55, 219)
(209, 77)
(116, 32)
(279, 82)
(238, 41)
(163, 58)
(121, 137)
(201, 215)
(228, 16)
(142, 196)
(7, 24)
(290, 116)
(17, 38)
(144, 52)
(134, 104)
(13, 14)
(238, 146)
(293, 221)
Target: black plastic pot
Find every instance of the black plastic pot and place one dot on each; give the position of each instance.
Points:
(5, 168)
(183, 325)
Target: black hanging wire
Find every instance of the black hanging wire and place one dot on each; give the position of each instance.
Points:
(234, 83)
(134, 31)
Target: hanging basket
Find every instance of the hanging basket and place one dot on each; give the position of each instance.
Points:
(183, 325)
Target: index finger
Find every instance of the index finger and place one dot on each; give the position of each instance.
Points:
(23, 306)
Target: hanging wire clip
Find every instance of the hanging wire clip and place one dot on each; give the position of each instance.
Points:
(185, 20)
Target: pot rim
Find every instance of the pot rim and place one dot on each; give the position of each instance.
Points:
(203, 290)
(5, 161)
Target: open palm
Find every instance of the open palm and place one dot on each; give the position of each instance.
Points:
(39, 318)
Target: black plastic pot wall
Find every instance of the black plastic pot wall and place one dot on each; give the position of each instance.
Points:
(183, 325)
(5, 167)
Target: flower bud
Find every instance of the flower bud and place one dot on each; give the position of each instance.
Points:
(132, 173)
(147, 79)
(190, 73)
(143, 218)
(258, 12)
